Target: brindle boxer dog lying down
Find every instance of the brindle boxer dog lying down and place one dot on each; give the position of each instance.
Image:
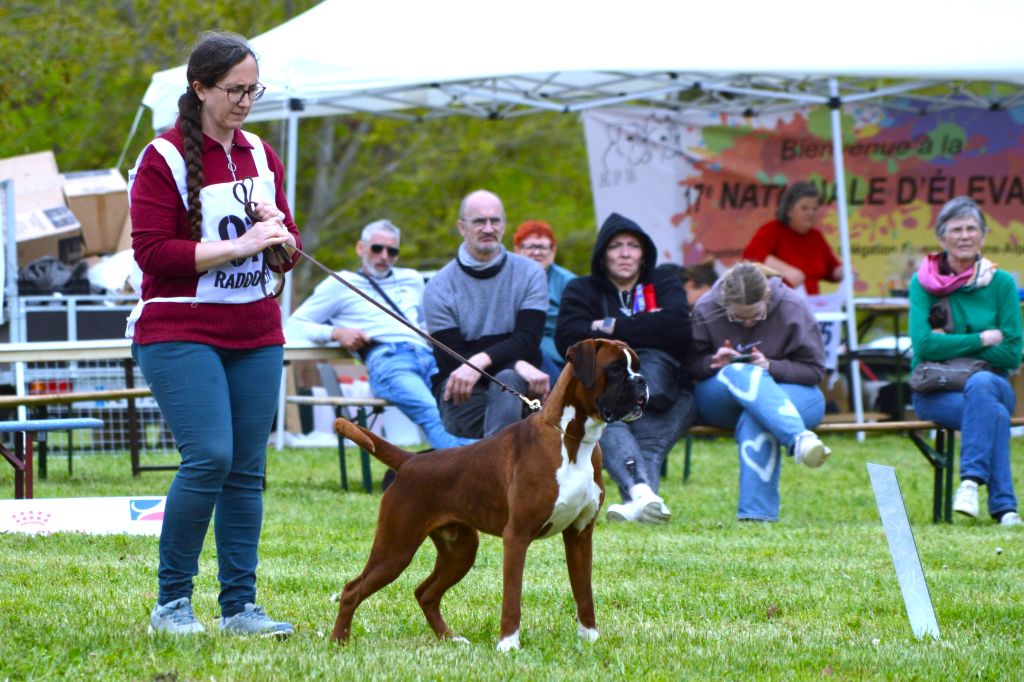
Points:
(533, 479)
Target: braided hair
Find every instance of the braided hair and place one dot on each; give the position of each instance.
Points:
(213, 55)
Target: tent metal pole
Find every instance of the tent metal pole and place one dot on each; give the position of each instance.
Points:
(289, 190)
(131, 134)
(844, 240)
(292, 156)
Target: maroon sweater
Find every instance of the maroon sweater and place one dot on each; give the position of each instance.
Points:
(165, 251)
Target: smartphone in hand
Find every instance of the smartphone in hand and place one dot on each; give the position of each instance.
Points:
(743, 357)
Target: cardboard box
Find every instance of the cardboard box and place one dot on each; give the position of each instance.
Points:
(44, 225)
(48, 232)
(99, 199)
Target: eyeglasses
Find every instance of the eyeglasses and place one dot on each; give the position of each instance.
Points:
(957, 231)
(747, 314)
(237, 93)
(377, 249)
(482, 221)
(534, 246)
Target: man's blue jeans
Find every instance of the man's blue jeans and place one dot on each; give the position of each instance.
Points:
(982, 414)
(220, 406)
(764, 414)
(400, 373)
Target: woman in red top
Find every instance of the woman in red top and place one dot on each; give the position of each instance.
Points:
(792, 246)
(206, 336)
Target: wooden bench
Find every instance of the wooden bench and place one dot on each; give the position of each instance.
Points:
(364, 407)
(24, 431)
(941, 455)
(44, 400)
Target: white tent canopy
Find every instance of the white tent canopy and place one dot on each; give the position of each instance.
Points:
(463, 57)
(456, 56)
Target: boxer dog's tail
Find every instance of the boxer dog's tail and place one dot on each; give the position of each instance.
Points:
(387, 453)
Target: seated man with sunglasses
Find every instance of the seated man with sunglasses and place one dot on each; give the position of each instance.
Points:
(399, 362)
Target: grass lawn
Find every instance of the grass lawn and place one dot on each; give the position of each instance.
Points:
(703, 597)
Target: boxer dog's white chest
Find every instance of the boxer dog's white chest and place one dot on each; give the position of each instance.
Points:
(579, 497)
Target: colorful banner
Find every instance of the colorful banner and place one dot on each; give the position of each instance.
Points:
(702, 184)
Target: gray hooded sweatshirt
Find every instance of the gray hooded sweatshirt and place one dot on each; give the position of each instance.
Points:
(789, 337)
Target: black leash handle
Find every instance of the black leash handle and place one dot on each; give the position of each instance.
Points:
(277, 251)
(532, 403)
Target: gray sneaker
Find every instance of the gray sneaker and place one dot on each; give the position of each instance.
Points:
(253, 621)
(174, 618)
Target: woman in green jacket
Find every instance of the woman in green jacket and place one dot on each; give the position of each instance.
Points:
(982, 320)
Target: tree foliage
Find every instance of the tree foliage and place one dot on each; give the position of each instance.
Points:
(75, 72)
(415, 174)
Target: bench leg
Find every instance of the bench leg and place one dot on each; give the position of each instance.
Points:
(42, 457)
(942, 457)
(19, 474)
(17, 461)
(134, 436)
(23, 449)
(686, 458)
(364, 456)
(341, 455)
(945, 442)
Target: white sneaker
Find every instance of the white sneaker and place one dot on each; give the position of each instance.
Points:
(966, 500)
(809, 450)
(650, 508)
(1010, 519)
(622, 512)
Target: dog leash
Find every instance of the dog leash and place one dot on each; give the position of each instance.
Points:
(532, 403)
(245, 199)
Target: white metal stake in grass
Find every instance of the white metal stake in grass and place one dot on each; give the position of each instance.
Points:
(909, 571)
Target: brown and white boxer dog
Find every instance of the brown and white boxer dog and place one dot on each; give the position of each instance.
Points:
(533, 479)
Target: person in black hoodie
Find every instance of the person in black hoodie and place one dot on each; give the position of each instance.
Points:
(626, 298)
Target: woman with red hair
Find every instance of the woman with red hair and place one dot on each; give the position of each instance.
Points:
(535, 240)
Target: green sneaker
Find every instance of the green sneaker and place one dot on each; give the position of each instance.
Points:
(253, 621)
(174, 618)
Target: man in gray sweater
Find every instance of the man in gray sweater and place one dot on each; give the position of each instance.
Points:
(489, 306)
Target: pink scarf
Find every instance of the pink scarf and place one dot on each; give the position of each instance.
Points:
(938, 284)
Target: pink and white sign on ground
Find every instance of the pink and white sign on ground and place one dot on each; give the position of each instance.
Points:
(94, 515)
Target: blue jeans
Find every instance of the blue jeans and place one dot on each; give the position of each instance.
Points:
(764, 415)
(647, 442)
(220, 406)
(400, 373)
(982, 413)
